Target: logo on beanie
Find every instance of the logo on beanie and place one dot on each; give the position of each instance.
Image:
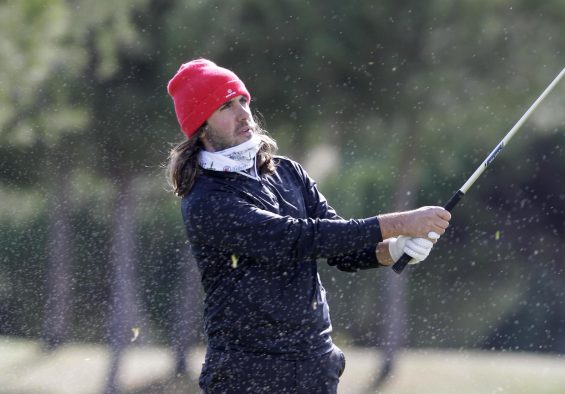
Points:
(230, 93)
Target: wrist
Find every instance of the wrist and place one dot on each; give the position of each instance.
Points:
(392, 224)
(383, 254)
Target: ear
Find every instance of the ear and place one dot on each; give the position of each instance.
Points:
(203, 129)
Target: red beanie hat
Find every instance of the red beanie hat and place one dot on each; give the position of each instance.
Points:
(198, 89)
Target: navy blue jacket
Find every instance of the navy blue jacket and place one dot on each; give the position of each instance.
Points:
(256, 243)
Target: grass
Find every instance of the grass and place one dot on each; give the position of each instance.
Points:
(81, 369)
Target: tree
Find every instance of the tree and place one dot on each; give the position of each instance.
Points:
(38, 117)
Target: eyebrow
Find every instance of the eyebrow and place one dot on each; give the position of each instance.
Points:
(235, 98)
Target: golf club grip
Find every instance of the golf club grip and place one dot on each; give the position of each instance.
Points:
(403, 261)
(457, 196)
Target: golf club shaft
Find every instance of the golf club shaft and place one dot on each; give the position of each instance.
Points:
(399, 266)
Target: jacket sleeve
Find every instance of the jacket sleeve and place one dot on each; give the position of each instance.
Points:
(319, 208)
(226, 220)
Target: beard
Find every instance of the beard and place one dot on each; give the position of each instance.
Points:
(220, 140)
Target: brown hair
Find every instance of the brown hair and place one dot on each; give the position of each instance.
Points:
(182, 167)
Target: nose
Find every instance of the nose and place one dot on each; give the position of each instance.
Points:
(243, 111)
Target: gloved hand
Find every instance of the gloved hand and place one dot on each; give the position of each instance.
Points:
(417, 248)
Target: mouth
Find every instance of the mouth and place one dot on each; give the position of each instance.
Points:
(245, 130)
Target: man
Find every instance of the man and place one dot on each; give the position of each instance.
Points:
(256, 225)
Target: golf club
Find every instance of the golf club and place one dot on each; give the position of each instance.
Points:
(399, 266)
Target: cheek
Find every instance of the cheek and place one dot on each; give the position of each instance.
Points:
(226, 124)
(221, 122)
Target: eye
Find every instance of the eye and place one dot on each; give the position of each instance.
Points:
(225, 105)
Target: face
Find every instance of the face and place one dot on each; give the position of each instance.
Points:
(230, 125)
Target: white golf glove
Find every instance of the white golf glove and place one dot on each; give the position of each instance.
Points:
(417, 248)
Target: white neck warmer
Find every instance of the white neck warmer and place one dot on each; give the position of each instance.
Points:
(235, 159)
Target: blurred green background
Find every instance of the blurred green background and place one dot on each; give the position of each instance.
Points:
(389, 105)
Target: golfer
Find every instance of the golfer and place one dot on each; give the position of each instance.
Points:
(256, 225)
